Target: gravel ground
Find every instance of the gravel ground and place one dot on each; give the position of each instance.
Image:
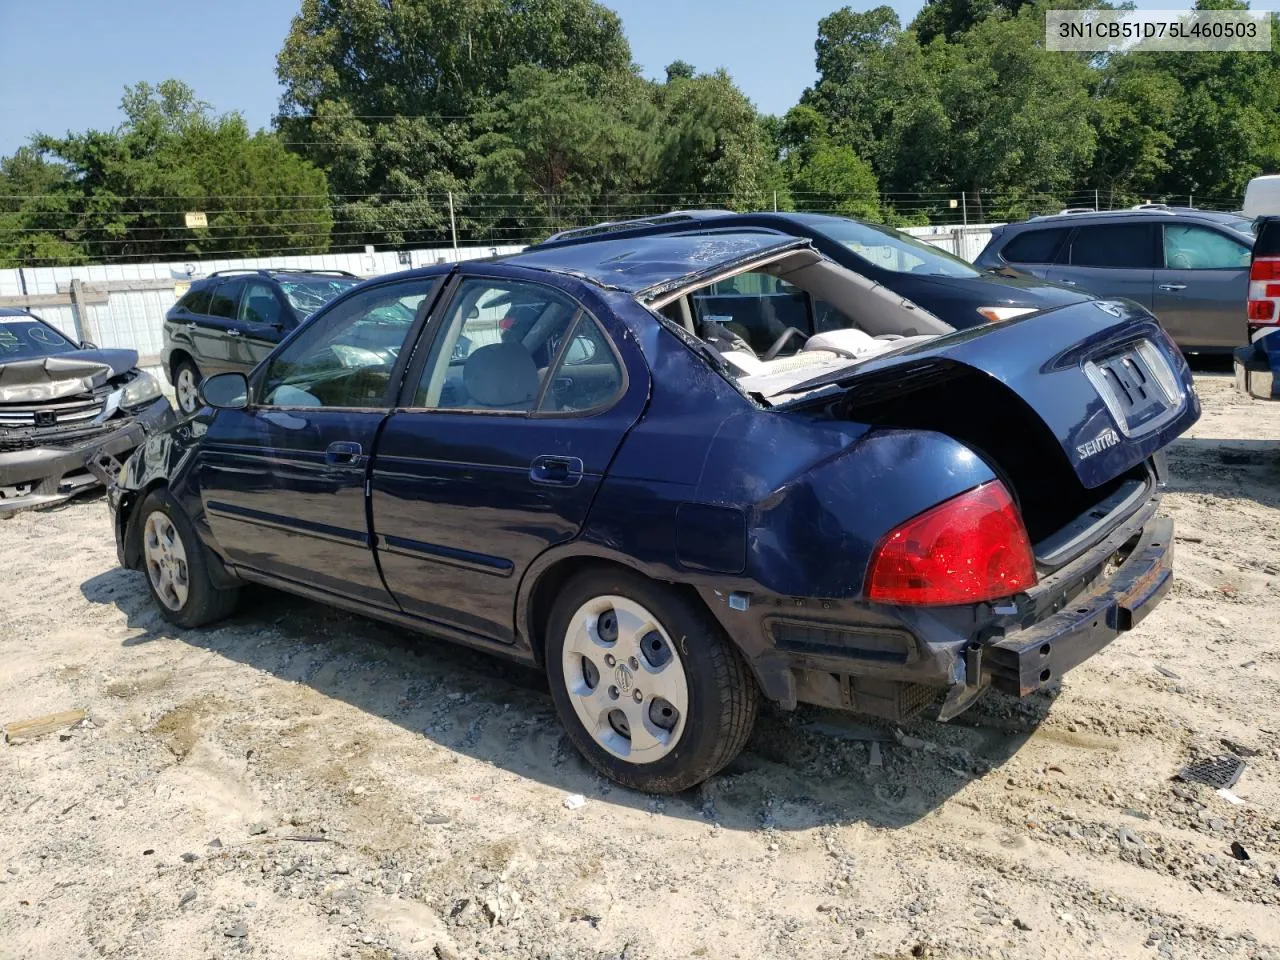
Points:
(302, 783)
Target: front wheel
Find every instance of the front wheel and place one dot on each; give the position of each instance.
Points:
(649, 689)
(176, 567)
(186, 386)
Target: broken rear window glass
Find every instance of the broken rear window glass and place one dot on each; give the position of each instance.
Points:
(23, 339)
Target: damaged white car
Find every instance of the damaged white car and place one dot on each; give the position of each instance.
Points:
(70, 413)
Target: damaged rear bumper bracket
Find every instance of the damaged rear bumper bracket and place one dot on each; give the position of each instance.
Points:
(1024, 662)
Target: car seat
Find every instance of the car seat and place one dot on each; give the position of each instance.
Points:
(501, 376)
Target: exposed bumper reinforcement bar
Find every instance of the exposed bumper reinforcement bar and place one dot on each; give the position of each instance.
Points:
(1024, 662)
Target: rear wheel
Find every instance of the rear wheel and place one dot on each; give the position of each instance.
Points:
(649, 689)
(176, 566)
(186, 386)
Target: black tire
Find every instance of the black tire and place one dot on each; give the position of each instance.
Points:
(723, 695)
(181, 368)
(205, 603)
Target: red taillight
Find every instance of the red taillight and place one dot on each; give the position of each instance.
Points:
(1265, 268)
(1264, 291)
(1262, 311)
(972, 547)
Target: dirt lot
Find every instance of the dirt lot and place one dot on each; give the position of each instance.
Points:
(301, 783)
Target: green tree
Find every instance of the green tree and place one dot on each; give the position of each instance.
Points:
(715, 150)
(390, 98)
(31, 200)
(122, 194)
(1019, 115)
(824, 176)
(576, 141)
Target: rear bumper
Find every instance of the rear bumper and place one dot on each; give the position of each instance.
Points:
(44, 476)
(1257, 367)
(1022, 663)
(895, 661)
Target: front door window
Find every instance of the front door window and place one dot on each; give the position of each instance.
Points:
(346, 358)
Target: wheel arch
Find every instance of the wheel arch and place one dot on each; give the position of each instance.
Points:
(176, 356)
(549, 572)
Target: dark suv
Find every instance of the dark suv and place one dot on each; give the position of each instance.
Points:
(231, 319)
(948, 287)
(1189, 267)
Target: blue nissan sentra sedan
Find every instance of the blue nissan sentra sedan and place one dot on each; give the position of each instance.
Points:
(588, 458)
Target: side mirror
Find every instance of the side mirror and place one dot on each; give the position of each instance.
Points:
(88, 345)
(225, 391)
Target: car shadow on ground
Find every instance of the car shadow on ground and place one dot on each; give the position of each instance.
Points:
(800, 770)
(1248, 469)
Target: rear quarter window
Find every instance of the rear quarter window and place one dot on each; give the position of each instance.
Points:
(196, 300)
(1035, 246)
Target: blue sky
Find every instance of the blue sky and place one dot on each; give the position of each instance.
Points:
(67, 61)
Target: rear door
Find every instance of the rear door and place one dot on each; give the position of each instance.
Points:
(214, 332)
(503, 435)
(1110, 260)
(1200, 285)
(263, 319)
(284, 481)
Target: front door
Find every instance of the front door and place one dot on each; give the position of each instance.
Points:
(508, 425)
(1201, 289)
(1110, 260)
(284, 481)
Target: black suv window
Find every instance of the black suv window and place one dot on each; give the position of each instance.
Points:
(1118, 245)
(197, 300)
(1035, 246)
(226, 299)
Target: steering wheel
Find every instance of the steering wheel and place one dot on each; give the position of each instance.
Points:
(782, 341)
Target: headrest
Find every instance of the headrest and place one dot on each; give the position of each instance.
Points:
(501, 375)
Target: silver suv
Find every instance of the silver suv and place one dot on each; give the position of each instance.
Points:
(1189, 267)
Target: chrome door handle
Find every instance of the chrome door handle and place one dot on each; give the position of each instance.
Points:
(1173, 286)
(231, 332)
(343, 451)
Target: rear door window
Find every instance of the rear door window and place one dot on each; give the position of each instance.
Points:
(1035, 246)
(197, 301)
(260, 305)
(1199, 248)
(1117, 245)
(226, 299)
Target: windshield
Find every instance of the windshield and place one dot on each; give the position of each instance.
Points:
(23, 338)
(888, 249)
(307, 295)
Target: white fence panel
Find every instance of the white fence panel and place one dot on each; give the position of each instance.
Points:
(138, 295)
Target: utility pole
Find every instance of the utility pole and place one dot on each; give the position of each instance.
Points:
(775, 201)
(453, 223)
(1096, 205)
(964, 209)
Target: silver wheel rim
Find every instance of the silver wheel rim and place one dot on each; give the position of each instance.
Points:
(187, 389)
(625, 679)
(166, 560)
